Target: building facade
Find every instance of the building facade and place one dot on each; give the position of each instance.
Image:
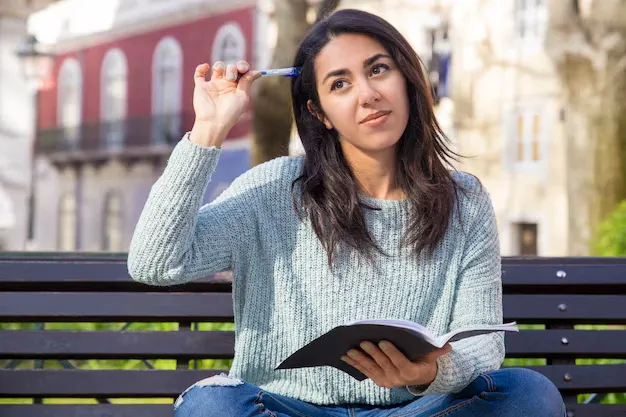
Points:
(118, 100)
(509, 120)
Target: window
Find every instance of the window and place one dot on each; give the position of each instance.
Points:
(229, 45)
(69, 100)
(531, 19)
(113, 98)
(67, 223)
(167, 73)
(526, 239)
(524, 136)
(113, 228)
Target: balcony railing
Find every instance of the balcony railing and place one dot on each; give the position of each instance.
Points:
(116, 136)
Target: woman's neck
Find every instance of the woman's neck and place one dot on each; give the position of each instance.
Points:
(375, 173)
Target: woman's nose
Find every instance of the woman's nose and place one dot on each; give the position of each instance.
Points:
(367, 94)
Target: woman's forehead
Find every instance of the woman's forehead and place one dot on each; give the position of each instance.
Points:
(347, 51)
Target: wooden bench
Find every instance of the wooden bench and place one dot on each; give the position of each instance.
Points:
(53, 288)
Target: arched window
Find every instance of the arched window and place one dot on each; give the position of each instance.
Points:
(67, 223)
(113, 226)
(167, 79)
(113, 93)
(69, 100)
(229, 45)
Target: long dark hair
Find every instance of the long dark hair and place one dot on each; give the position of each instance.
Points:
(328, 189)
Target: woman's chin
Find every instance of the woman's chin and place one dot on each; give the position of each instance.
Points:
(371, 144)
(380, 144)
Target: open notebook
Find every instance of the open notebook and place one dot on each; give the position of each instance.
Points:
(412, 339)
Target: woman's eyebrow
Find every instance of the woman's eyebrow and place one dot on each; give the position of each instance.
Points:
(370, 61)
(366, 63)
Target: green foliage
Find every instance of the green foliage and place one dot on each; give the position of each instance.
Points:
(610, 235)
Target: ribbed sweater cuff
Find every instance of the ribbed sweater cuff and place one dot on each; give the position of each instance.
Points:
(443, 381)
(190, 162)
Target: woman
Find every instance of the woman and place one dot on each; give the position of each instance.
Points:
(369, 224)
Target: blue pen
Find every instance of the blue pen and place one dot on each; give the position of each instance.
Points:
(285, 72)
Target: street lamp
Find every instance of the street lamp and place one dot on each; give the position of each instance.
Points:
(36, 64)
(36, 67)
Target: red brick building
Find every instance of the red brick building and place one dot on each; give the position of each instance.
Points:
(117, 102)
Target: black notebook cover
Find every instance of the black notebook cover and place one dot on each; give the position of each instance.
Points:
(328, 348)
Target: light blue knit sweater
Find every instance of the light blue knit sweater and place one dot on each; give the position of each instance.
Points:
(284, 293)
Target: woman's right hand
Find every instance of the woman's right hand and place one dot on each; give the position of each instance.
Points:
(221, 101)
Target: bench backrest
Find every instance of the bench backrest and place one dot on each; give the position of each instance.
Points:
(555, 293)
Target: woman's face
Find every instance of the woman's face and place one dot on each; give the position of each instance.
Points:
(362, 93)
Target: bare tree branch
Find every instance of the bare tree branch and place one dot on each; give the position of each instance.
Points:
(577, 19)
(325, 8)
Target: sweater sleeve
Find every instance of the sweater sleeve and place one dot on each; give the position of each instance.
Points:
(478, 301)
(176, 241)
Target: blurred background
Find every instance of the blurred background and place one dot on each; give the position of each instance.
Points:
(94, 95)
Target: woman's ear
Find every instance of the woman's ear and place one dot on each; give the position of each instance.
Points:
(312, 109)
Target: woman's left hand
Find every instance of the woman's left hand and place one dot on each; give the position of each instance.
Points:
(388, 367)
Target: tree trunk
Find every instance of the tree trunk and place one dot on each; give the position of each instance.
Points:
(590, 59)
(272, 117)
(596, 150)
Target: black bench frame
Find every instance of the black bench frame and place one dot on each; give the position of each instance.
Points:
(556, 292)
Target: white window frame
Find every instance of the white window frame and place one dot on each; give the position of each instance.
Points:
(166, 124)
(113, 131)
(71, 74)
(533, 18)
(520, 154)
(230, 29)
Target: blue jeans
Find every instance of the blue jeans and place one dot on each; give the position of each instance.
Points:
(510, 392)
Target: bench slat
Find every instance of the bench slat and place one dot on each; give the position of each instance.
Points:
(586, 378)
(154, 307)
(99, 273)
(596, 410)
(79, 383)
(571, 309)
(583, 279)
(165, 410)
(87, 410)
(562, 260)
(607, 344)
(158, 383)
(115, 307)
(51, 344)
(90, 275)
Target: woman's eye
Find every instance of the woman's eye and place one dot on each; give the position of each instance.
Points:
(379, 69)
(337, 84)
